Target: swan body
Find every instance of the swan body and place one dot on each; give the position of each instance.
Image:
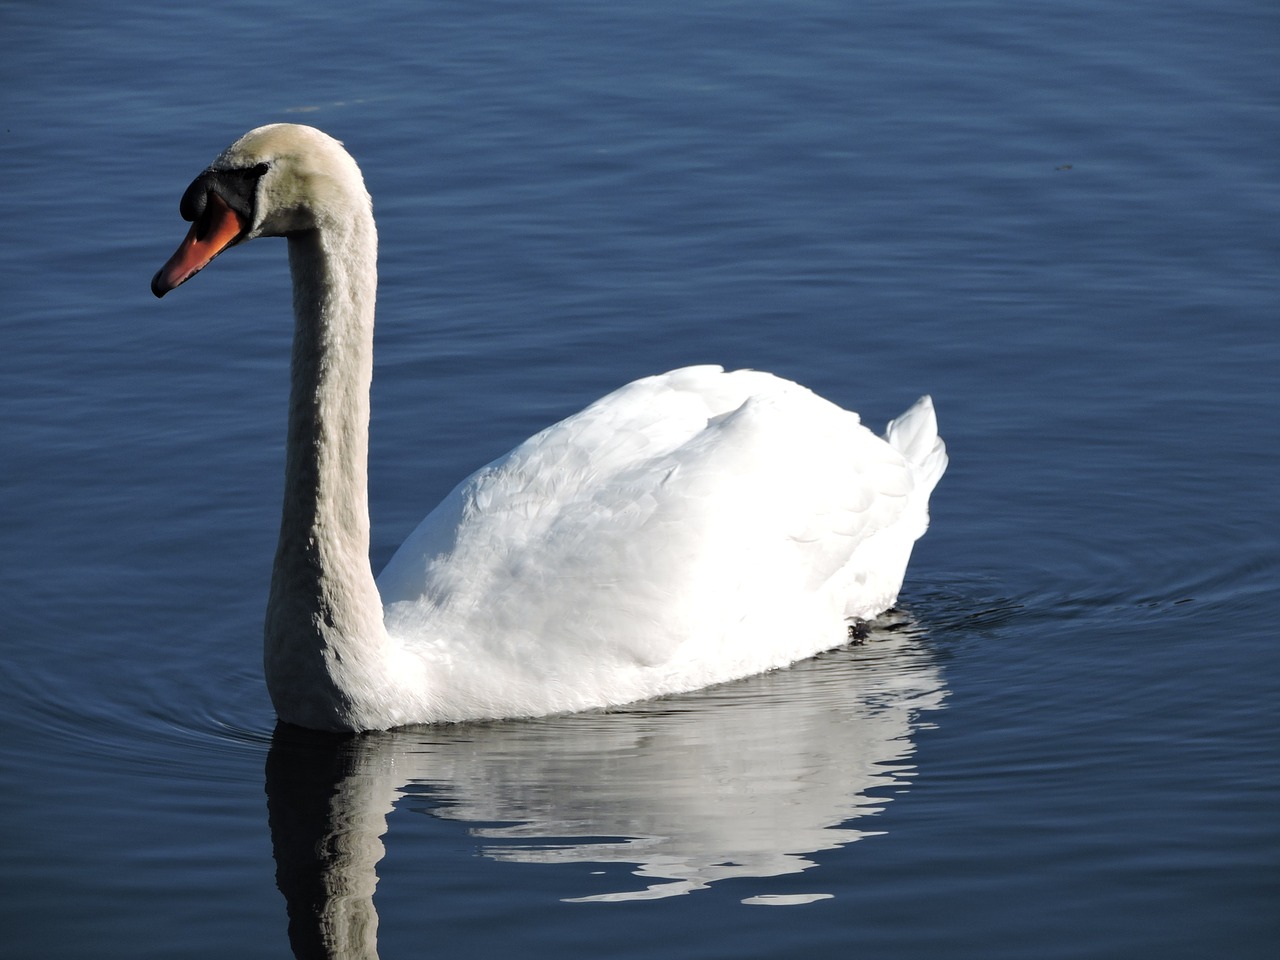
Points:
(687, 529)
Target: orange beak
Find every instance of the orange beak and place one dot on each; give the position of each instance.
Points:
(217, 227)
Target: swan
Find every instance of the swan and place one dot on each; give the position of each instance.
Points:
(687, 529)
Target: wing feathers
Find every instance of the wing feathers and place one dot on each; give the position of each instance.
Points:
(696, 507)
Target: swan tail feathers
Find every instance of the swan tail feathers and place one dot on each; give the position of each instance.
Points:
(914, 434)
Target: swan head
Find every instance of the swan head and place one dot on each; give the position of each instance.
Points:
(276, 181)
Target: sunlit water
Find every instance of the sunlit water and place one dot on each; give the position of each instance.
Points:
(1059, 219)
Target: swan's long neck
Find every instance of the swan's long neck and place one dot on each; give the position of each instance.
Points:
(324, 630)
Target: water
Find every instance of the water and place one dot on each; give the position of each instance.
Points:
(1058, 219)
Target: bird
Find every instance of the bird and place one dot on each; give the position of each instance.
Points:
(688, 529)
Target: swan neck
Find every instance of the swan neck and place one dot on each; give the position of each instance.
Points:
(326, 468)
(324, 616)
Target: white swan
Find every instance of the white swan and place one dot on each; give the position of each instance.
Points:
(687, 529)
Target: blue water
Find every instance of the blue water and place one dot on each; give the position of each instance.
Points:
(1059, 219)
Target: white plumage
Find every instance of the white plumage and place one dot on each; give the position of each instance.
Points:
(686, 529)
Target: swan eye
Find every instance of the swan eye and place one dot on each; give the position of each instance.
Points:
(248, 173)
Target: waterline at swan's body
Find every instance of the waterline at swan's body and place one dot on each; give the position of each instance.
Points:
(687, 529)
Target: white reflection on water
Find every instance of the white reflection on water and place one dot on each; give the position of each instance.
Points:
(748, 780)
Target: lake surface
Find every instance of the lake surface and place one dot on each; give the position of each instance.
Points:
(1058, 219)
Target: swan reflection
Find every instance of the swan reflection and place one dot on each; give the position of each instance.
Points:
(748, 780)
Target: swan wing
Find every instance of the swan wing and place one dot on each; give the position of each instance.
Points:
(728, 520)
